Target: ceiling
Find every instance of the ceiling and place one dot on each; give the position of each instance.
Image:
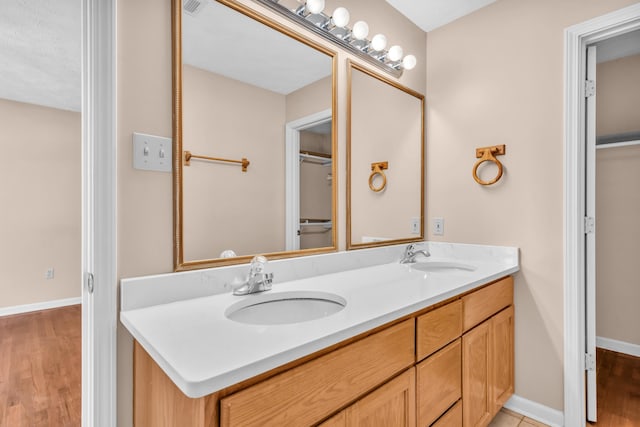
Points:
(431, 14)
(618, 47)
(40, 51)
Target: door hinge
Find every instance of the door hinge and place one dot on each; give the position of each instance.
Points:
(589, 225)
(90, 282)
(589, 88)
(589, 362)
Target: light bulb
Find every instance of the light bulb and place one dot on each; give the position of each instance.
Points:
(315, 6)
(395, 53)
(340, 17)
(378, 42)
(360, 30)
(409, 62)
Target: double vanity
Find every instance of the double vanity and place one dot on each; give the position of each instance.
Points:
(340, 337)
(385, 335)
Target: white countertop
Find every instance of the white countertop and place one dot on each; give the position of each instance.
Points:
(202, 351)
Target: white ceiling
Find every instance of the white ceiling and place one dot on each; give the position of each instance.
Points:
(40, 51)
(223, 41)
(618, 47)
(431, 14)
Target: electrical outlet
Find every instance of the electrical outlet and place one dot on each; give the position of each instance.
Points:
(49, 273)
(438, 226)
(415, 225)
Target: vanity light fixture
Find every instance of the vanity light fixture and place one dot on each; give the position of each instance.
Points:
(311, 15)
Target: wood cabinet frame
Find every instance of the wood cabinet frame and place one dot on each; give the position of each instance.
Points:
(477, 324)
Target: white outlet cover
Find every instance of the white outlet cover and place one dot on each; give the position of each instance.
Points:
(438, 226)
(152, 153)
(415, 225)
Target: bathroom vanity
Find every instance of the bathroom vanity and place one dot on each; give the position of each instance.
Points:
(424, 344)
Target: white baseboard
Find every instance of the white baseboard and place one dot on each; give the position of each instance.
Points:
(618, 346)
(528, 408)
(26, 308)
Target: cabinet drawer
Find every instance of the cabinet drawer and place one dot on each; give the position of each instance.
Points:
(439, 382)
(480, 305)
(453, 417)
(438, 328)
(312, 391)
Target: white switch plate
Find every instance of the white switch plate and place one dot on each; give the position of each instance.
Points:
(49, 273)
(415, 225)
(438, 226)
(151, 153)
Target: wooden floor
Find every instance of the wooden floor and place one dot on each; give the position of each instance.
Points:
(40, 368)
(618, 389)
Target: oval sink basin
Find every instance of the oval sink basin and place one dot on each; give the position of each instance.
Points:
(442, 267)
(285, 307)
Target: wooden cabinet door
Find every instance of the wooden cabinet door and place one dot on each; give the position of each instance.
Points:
(477, 405)
(502, 355)
(391, 405)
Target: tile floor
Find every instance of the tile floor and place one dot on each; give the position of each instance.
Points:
(507, 418)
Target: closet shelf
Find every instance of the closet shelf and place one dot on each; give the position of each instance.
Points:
(315, 158)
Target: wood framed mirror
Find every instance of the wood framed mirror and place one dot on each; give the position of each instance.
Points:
(385, 161)
(254, 131)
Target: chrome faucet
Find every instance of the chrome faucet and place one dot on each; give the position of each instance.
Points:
(410, 254)
(257, 280)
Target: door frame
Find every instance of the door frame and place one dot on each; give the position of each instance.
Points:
(99, 308)
(576, 39)
(292, 174)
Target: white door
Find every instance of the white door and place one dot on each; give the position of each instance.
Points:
(590, 235)
(292, 174)
(99, 291)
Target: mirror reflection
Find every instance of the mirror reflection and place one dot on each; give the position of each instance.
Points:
(386, 151)
(256, 144)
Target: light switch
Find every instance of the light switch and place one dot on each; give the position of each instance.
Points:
(151, 153)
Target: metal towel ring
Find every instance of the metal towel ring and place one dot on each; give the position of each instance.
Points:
(377, 169)
(487, 154)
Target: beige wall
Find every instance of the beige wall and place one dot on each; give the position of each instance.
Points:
(145, 233)
(618, 203)
(225, 208)
(386, 126)
(309, 99)
(618, 96)
(496, 77)
(618, 244)
(41, 212)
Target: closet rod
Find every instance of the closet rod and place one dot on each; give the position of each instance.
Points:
(617, 144)
(315, 158)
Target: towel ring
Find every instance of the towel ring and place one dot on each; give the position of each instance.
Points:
(487, 154)
(377, 169)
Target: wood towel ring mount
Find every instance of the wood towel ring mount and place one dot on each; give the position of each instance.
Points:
(377, 169)
(487, 154)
